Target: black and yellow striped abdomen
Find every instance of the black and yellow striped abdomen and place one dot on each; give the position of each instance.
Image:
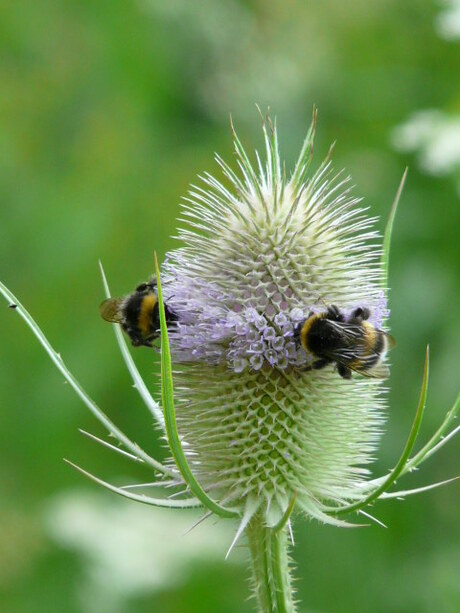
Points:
(350, 342)
(138, 314)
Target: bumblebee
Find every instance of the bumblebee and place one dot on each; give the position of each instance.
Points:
(137, 313)
(352, 343)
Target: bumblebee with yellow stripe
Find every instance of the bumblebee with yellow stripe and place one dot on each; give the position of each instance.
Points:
(352, 344)
(137, 313)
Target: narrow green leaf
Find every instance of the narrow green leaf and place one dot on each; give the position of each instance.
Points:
(92, 406)
(156, 502)
(385, 260)
(139, 384)
(398, 469)
(418, 490)
(372, 518)
(287, 514)
(172, 434)
(438, 440)
(119, 450)
(138, 486)
(440, 444)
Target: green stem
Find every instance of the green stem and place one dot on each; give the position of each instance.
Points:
(270, 567)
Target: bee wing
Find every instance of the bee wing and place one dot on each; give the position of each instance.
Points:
(353, 349)
(379, 371)
(349, 333)
(110, 310)
(391, 341)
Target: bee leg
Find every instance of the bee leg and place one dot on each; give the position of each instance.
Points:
(171, 317)
(361, 313)
(334, 313)
(343, 371)
(321, 363)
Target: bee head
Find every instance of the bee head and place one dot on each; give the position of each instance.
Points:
(146, 288)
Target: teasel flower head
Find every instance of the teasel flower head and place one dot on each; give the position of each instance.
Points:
(261, 252)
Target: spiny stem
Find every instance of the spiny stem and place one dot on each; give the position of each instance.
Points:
(270, 567)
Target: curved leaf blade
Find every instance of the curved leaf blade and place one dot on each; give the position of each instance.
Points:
(156, 502)
(385, 259)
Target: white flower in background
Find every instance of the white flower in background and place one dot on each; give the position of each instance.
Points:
(447, 22)
(434, 137)
(125, 549)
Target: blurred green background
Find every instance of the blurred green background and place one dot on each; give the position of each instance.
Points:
(108, 110)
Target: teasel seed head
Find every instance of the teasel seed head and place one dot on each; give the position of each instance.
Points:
(261, 252)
